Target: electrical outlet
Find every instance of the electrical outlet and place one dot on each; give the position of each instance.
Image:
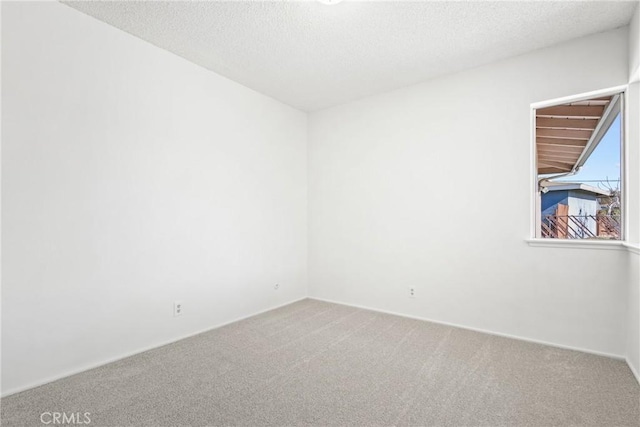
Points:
(412, 292)
(276, 286)
(177, 308)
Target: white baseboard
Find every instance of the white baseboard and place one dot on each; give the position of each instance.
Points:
(133, 353)
(152, 347)
(633, 369)
(484, 331)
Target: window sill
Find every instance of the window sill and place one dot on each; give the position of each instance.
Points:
(616, 245)
(633, 248)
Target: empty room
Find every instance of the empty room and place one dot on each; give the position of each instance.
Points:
(320, 213)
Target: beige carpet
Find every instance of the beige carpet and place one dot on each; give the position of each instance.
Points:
(315, 363)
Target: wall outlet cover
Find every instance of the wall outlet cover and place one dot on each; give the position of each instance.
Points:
(177, 308)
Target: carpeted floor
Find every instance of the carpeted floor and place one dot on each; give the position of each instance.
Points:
(315, 363)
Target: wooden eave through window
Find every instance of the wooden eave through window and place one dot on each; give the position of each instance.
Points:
(564, 132)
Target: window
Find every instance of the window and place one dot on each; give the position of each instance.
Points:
(579, 175)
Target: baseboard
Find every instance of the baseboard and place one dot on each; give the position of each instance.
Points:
(106, 362)
(484, 331)
(633, 369)
(152, 347)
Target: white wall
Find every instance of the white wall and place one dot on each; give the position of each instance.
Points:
(634, 45)
(429, 187)
(132, 178)
(633, 101)
(633, 315)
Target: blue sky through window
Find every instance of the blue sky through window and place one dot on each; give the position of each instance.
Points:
(604, 162)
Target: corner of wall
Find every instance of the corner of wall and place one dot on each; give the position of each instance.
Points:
(634, 46)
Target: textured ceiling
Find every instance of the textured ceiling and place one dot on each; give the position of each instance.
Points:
(312, 56)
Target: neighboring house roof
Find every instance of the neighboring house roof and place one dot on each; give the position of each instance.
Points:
(566, 135)
(576, 186)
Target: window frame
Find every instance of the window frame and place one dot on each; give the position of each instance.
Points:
(534, 238)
